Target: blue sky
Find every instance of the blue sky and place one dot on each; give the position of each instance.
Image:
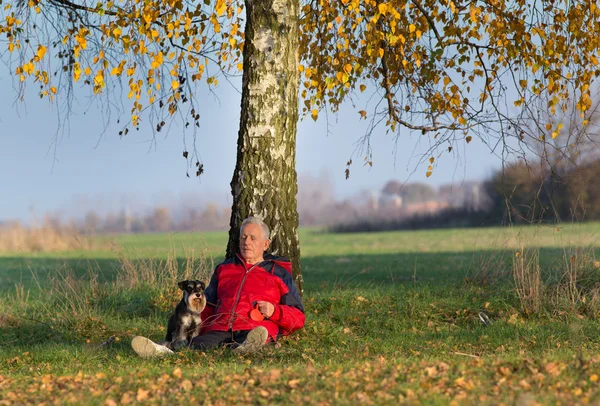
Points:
(86, 170)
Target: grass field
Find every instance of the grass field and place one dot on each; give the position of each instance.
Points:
(391, 317)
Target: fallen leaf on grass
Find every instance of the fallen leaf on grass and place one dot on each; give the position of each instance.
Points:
(126, 398)
(431, 372)
(293, 383)
(464, 383)
(554, 368)
(110, 402)
(271, 376)
(186, 385)
(142, 394)
(504, 371)
(177, 373)
(524, 384)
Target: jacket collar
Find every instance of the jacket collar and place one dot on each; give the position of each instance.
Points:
(266, 259)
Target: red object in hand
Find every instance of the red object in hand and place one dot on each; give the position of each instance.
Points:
(256, 315)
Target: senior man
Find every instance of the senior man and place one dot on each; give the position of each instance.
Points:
(251, 299)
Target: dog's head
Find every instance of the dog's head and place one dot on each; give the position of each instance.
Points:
(193, 294)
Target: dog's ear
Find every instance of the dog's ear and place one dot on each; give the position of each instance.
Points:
(182, 285)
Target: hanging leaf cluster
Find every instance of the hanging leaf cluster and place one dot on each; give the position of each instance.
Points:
(450, 66)
(153, 48)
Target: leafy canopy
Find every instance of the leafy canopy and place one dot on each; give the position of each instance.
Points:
(451, 69)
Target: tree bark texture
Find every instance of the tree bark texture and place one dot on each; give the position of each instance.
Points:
(265, 181)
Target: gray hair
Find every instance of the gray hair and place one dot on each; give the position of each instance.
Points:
(260, 222)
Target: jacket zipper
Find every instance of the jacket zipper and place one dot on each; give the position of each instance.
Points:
(239, 292)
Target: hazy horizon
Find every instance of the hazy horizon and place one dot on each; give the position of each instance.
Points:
(90, 163)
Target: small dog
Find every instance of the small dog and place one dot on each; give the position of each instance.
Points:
(185, 322)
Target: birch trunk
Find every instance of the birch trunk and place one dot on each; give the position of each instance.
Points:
(265, 182)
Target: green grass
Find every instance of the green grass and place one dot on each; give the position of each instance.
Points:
(391, 317)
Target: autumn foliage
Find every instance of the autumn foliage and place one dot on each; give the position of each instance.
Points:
(451, 69)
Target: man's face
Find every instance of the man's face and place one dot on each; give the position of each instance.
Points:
(253, 243)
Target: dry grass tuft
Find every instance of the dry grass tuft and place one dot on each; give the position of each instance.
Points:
(527, 277)
(46, 238)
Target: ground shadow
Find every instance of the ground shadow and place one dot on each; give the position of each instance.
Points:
(319, 272)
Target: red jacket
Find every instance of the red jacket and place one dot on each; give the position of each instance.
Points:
(236, 286)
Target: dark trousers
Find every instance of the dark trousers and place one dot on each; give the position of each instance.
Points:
(214, 339)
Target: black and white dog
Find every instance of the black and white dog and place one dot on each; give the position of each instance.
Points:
(185, 322)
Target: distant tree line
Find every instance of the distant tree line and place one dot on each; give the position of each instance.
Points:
(523, 192)
(159, 220)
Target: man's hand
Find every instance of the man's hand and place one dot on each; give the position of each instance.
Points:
(266, 308)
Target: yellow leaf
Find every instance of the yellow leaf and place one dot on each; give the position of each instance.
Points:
(380, 52)
(428, 173)
(87, 71)
(177, 373)
(126, 398)
(594, 378)
(523, 83)
(382, 8)
(142, 395)
(99, 79)
(473, 14)
(412, 28)
(431, 160)
(175, 84)
(462, 121)
(28, 68)
(53, 90)
(338, 19)
(314, 114)
(469, 138)
(554, 368)
(362, 88)
(186, 385)
(117, 32)
(220, 7)
(41, 51)
(240, 66)
(548, 126)
(76, 71)
(363, 114)
(348, 68)
(554, 134)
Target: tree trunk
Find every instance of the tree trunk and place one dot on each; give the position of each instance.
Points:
(265, 182)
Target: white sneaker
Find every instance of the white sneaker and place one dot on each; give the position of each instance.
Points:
(255, 339)
(146, 348)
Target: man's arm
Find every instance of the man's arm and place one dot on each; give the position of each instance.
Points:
(289, 313)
